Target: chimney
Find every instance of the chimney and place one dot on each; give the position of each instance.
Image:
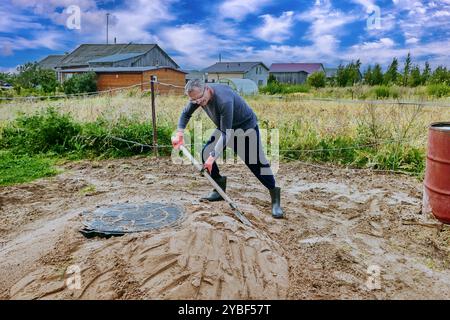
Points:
(115, 40)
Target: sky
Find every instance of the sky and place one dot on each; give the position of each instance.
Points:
(195, 32)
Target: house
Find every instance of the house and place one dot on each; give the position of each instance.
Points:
(122, 77)
(122, 65)
(256, 71)
(330, 72)
(51, 62)
(195, 74)
(294, 73)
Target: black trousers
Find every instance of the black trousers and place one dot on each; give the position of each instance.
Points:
(247, 144)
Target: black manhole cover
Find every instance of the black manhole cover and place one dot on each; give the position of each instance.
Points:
(119, 219)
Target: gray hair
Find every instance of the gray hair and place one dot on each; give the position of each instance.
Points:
(194, 84)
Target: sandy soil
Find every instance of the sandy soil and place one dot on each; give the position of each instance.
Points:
(341, 226)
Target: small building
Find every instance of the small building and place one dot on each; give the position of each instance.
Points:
(256, 71)
(194, 74)
(51, 62)
(330, 72)
(123, 65)
(114, 55)
(121, 77)
(242, 86)
(294, 73)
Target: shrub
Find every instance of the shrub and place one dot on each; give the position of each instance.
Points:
(317, 80)
(438, 90)
(281, 88)
(41, 132)
(382, 92)
(81, 83)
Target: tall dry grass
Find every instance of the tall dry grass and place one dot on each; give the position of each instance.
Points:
(384, 136)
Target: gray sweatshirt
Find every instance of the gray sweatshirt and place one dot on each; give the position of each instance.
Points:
(227, 109)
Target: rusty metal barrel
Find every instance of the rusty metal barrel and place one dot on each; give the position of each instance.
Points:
(436, 199)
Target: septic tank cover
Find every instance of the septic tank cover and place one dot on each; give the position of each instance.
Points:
(119, 219)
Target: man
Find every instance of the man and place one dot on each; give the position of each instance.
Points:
(237, 128)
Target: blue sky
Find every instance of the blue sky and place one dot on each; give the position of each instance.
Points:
(195, 32)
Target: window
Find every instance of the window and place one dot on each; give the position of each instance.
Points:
(260, 83)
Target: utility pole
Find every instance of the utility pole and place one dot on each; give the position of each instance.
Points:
(107, 27)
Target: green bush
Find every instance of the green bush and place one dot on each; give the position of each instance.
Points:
(58, 134)
(382, 92)
(282, 88)
(438, 90)
(317, 80)
(32, 76)
(81, 83)
(40, 133)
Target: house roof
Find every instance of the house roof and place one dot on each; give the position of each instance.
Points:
(88, 52)
(296, 67)
(117, 57)
(51, 61)
(118, 69)
(194, 74)
(232, 67)
(330, 72)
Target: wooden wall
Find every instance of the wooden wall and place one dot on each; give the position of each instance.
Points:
(106, 81)
(167, 76)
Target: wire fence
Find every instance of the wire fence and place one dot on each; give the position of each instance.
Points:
(142, 84)
(283, 152)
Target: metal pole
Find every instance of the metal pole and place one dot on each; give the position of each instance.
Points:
(155, 139)
(107, 27)
(233, 205)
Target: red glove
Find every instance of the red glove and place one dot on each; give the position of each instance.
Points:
(178, 140)
(209, 163)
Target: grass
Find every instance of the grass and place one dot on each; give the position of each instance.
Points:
(386, 137)
(20, 169)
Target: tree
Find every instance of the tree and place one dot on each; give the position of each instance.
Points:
(415, 78)
(406, 69)
(32, 76)
(341, 76)
(426, 73)
(440, 76)
(271, 79)
(368, 76)
(317, 79)
(391, 75)
(81, 83)
(377, 75)
(348, 75)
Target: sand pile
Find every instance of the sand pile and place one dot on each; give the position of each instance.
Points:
(209, 256)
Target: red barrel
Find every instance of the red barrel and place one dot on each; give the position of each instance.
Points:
(437, 175)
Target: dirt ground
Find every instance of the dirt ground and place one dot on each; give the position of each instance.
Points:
(347, 235)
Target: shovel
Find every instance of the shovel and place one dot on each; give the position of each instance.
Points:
(200, 168)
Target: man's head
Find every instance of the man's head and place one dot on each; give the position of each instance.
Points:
(198, 92)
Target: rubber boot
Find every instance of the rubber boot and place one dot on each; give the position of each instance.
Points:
(214, 195)
(277, 212)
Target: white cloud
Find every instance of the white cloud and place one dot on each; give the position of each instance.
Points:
(239, 9)
(129, 23)
(9, 69)
(325, 20)
(48, 40)
(275, 29)
(195, 46)
(412, 40)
